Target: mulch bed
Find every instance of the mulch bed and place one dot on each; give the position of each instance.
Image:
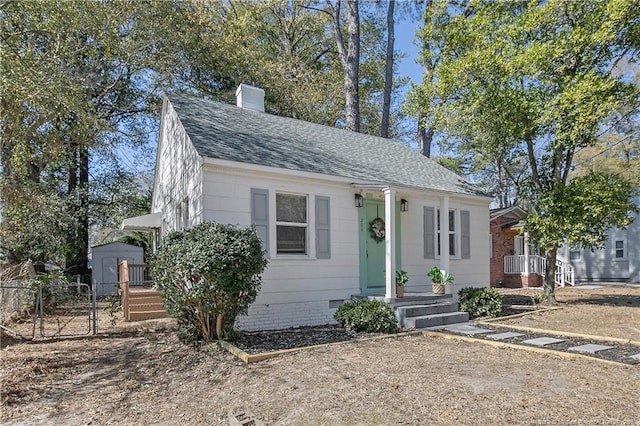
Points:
(255, 342)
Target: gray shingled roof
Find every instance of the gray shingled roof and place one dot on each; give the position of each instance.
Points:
(223, 131)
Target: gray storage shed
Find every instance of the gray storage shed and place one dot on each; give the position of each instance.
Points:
(105, 261)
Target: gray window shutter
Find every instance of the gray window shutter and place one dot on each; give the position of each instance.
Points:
(323, 240)
(260, 215)
(429, 233)
(465, 229)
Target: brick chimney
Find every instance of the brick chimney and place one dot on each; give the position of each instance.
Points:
(249, 97)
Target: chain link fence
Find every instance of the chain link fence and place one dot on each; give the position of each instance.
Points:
(47, 307)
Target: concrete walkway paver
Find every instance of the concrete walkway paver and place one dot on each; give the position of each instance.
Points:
(590, 349)
(503, 336)
(468, 330)
(543, 341)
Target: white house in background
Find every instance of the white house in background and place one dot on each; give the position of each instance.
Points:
(313, 193)
(619, 260)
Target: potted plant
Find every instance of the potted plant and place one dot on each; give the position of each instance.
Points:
(438, 279)
(401, 279)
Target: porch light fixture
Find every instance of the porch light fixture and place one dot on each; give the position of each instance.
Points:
(404, 205)
(358, 200)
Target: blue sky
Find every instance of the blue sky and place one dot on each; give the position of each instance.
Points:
(405, 35)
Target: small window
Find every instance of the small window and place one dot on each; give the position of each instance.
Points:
(620, 249)
(575, 252)
(291, 224)
(452, 232)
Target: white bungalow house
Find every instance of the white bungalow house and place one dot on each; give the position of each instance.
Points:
(338, 212)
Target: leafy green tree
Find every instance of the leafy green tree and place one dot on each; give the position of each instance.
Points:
(538, 79)
(208, 275)
(73, 83)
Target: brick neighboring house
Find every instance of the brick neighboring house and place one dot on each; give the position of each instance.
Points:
(507, 242)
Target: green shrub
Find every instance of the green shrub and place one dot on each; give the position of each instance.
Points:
(371, 316)
(208, 275)
(480, 302)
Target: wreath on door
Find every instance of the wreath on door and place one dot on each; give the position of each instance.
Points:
(376, 229)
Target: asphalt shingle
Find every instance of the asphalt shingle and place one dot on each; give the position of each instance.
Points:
(223, 131)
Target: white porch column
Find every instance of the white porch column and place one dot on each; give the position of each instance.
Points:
(526, 254)
(444, 233)
(390, 242)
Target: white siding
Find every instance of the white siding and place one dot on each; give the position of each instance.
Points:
(178, 176)
(296, 289)
(472, 272)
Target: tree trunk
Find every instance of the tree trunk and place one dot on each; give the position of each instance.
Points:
(72, 205)
(425, 133)
(78, 191)
(350, 59)
(219, 326)
(550, 275)
(352, 78)
(388, 73)
(83, 213)
(425, 137)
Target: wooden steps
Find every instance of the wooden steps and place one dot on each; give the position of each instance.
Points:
(142, 304)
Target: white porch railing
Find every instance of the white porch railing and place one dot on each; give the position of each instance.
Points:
(565, 274)
(538, 265)
(516, 264)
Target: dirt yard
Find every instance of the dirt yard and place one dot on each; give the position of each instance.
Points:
(143, 375)
(607, 311)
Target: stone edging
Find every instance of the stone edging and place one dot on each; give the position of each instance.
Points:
(251, 358)
(561, 333)
(545, 351)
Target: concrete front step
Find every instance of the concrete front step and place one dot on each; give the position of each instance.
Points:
(409, 299)
(430, 309)
(424, 321)
(413, 311)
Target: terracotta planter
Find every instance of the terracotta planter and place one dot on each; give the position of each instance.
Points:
(437, 288)
(399, 290)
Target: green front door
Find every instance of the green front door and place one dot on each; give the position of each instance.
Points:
(372, 252)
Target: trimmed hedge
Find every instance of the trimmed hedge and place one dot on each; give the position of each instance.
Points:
(480, 302)
(371, 316)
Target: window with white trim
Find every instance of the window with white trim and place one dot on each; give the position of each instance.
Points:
(451, 234)
(620, 249)
(291, 224)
